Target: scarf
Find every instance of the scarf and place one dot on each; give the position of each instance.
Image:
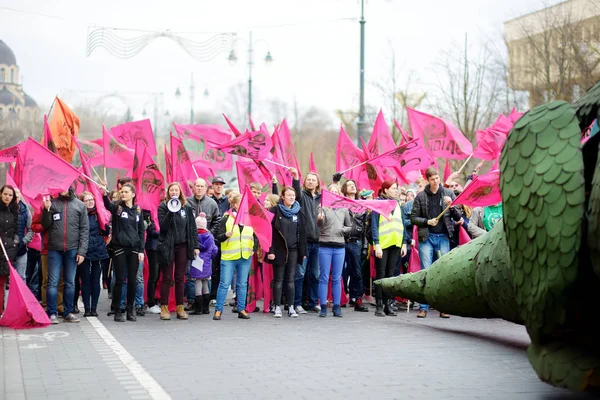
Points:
(289, 212)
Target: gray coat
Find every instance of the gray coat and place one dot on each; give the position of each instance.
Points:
(209, 207)
(475, 226)
(336, 223)
(71, 211)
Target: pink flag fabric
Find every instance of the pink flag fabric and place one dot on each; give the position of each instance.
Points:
(9, 180)
(484, 190)
(23, 310)
(116, 155)
(255, 145)
(490, 141)
(347, 153)
(200, 141)
(311, 164)
(447, 170)
(267, 283)
(44, 172)
(439, 137)
(131, 132)
(286, 146)
(414, 262)
(180, 159)
(408, 157)
(514, 115)
(382, 207)
(149, 185)
(10, 154)
(168, 165)
(381, 140)
(251, 213)
(405, 137)
(248, 172)
(463, 236)
(255, 287)
(93, 151)
(284, 176)
(236, 131)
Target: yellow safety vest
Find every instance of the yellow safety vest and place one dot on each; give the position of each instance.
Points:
(391, 233)
(239, 245)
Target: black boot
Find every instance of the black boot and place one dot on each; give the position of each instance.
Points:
(87, 313)
(119, 315)
(388, 310)
(197, 306)
(379, 308)
(94, 312)
(206, 303)
(131, 314)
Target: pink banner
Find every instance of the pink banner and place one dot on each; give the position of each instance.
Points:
(463, 236)
(484, 190)
(255, 145)
(381, 139)
(248, 172)
(131, 132)
(447, 171)
(149, 185)
(284, 176)
(414, 262)
(408, 157)
(286, 147)
(93, 151)
(382, 207)
(311, 164)
(405, 137)
(116, 155)
(201, 143)
(439, 137)
(251, 213)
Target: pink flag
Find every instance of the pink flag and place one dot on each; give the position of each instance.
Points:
(284, 176)
(168, 165)
(201, 141)
(439, 137)
(9, 179)
(414, 263)
(181, 160)
(347, 154)
(149, 185)
(410, 156)
(23, 310)
(484, 190)
(255, 145)
(405, 137)
(311, 164)
(491, 140)
(92, 150)
(381, 139)
(43, 171)
(255, 287)
(463, 236)
(131, 132)
(447, 170)
(236, 131)
(116, 155)
(286, 146)
(204, 170)
(251, 213)
(382, 207)
(48, 141)
(248, 172)
(10, 154)
(514, 115)
(252, 126)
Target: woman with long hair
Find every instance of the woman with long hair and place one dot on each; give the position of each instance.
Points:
(334, 224)
(128, 246)
(9, 214)
(90, 268)
(177, 243)
(288, 248)
(238, 244)
(390, 239)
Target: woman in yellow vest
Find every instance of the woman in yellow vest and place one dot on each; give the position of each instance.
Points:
(237, 247)
(390, 241)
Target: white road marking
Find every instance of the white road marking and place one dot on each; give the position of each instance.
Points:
(139, 373)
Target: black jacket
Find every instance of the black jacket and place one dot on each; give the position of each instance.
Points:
(359, 222)
(420, 213)
(127, 226)
(8, 234)
(308, 207)
(96, 244)
(67, 224)
(166, 238)
(151, 232)
(278, 243)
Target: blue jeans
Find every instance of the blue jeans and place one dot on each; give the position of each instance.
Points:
(428, 252)
(312, 262)
(57, 261)
(227, 267)
(139, 286)
(90, 283)
(354, 269)
(21, 266)
(331, 258)
(34, 271)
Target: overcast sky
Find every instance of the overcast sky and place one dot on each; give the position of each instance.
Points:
(315, 45)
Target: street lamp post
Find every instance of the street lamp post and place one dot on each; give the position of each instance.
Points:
(192, 96)
(233, 58)
(361, 109)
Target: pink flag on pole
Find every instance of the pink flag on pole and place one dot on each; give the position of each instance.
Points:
(251, 213)
(463, 236)
(255, 145)
(248, 172)
(311, 164)
(381, 139)
(382, 207)
(484, 190)
(149, 185)
(438, 136)
(204, 170)
(407, 157)
(92, 150)
(490, 141)
(414, 263)
(255, 287)
(405, 137)
(447, 170)
(347, 153)
(181, 159)
(236, 131)
(23, 310)
(10, 154)
(168, 165)
(284, 176)
(131, 132)
(514, 115)
(252, 126)
(200, 141)
(116, 155)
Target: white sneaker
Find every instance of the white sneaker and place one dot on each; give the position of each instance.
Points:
(155, 309)
(300, 310)
(53, 319)
(316, 309)
(277, 312)
(292, 313)
(213, 302)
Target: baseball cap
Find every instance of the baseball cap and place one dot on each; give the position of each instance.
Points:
(218, 179)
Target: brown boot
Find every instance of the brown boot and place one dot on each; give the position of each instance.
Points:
(181, 312)
(422, 314)
(164, 313)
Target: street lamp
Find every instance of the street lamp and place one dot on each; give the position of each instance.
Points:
(232, 58)
(361, 108)
(192, 96)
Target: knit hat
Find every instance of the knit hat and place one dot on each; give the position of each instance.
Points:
(201, 221)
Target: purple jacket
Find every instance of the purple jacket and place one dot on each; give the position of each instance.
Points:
(208, 250)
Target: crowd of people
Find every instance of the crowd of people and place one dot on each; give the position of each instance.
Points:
(319, 255)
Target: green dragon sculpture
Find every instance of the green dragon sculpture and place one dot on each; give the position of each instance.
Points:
(540, 266)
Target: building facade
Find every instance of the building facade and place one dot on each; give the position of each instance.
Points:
(554, 53)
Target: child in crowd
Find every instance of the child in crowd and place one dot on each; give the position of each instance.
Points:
(208, 250)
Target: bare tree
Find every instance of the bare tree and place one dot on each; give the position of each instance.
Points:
(236, 106)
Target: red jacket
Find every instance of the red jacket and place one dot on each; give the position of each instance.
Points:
(36, 226)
